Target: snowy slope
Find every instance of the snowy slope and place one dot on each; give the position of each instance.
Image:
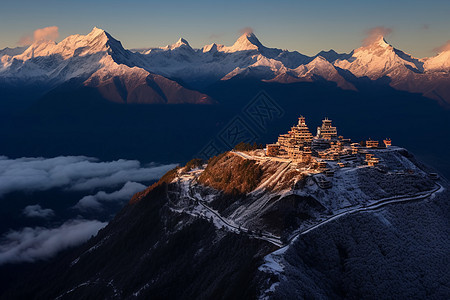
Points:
(286, 190)
(249, 58)
(12, 51)
(75, 56)
(321, 69)
(99, 61)
(440, 62)
(379, 59)
(80, 56)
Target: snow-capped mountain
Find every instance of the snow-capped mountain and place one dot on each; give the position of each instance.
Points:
(319, 69)
(99, 55)
(75, 56)
(247, 57)
(382, 62)
(379, 59)
(12, 51)
(440, 62)
(99, 61)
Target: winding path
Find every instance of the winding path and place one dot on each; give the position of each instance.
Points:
(374, 206)
(263, 236)
(277, 241)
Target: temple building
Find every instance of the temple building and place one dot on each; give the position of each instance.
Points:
(295, 144)
(326, 131)
(371, 160)
(387, 142)
(301, 132)
(299, 146)
(355, 147)
(371, 144)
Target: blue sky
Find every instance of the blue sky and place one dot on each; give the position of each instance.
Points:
(306, 26)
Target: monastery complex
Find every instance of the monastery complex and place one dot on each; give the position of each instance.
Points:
(299, 145)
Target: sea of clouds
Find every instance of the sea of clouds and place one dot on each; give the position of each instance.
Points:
(69, 173)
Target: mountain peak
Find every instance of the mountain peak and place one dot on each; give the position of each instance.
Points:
(96, 31)
(380, 41)
(247, 41)
(180, 43)
(97, 40)
(211, 47)
(249, 35)
(376, 44)
(378, 58)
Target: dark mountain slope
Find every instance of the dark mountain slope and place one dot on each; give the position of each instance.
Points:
(181, 256)
(399, 252)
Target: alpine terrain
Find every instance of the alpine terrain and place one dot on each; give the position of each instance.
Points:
(175, 73)
(252, 223)
(69, 97)
(229, 150)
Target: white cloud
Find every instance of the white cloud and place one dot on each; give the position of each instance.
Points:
(373, 34)
(31, 244)
(72, 172)
(50, 33)
(78, 173)
(36, 211)
(95, 201)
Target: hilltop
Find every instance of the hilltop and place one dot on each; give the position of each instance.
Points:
(247, 224)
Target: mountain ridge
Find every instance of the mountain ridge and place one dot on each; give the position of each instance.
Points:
(99, 61)
(50, 63)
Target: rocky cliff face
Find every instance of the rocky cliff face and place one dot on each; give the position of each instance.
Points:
(245, 226)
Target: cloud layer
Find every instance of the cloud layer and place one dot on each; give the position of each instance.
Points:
(72, 172)
(32, 244)
(95, 201)
(373, 34)
(36, 211)
(50, 33)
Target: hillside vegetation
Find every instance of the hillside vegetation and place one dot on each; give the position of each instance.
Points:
(231, 174)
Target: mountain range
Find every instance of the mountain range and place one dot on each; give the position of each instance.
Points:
(178, 73)
(67, 98)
